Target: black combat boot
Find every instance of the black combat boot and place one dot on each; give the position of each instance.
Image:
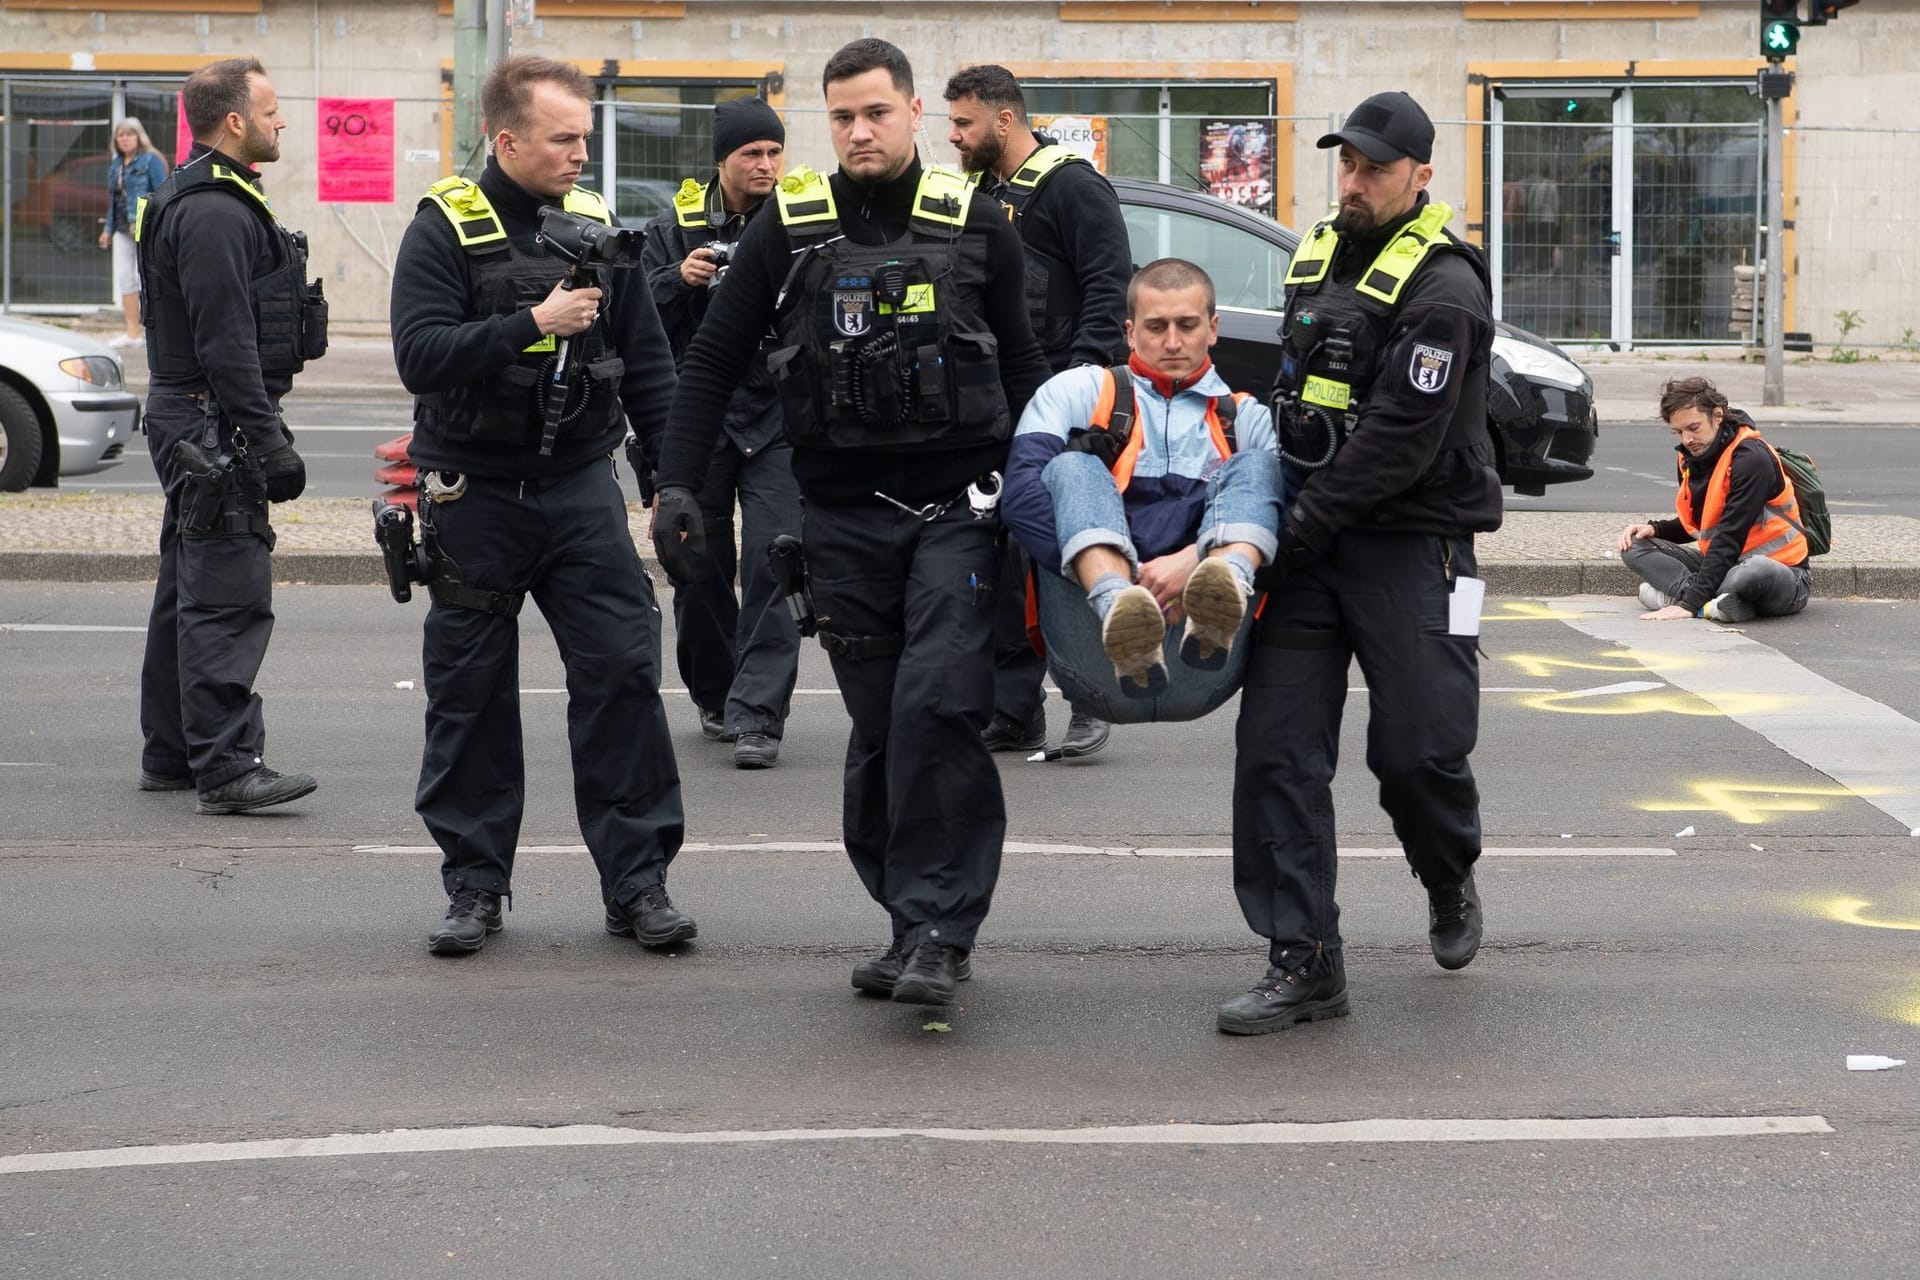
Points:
(1085, 735)
(879, 976)
(1310, 993)
(931, 974)
(472, 914)
(1453, 913)
(652, 919)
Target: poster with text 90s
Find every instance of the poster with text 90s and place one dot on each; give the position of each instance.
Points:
(356, 150)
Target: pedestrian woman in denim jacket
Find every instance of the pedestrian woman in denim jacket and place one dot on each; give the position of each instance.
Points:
(136, 173)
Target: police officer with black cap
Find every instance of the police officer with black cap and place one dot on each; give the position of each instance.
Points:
(519, 498)
(230, 319)
(904, 358)
(1078, 268)
(738, 656)
(1381, 404)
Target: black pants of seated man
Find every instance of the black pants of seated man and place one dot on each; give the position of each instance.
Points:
(1381, 598)
(565, 542)
(739, 655)
(923, 817)
(212, 616)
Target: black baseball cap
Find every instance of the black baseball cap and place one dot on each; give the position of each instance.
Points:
(1386, 127)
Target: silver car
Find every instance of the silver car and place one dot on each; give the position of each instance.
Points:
(64, 405)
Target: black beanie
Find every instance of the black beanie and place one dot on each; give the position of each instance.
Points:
(738, 121)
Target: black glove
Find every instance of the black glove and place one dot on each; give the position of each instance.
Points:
(1293, 554)
(675, 513)
(286, 474)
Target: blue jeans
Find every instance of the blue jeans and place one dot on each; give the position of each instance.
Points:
(1079, 664)
(1243, 505)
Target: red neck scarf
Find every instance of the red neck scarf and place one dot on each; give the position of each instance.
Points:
(1165, 383)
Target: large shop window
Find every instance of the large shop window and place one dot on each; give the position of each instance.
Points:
(1214, 136)
(651, 136)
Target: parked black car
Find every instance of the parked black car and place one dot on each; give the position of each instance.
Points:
(1539, 403)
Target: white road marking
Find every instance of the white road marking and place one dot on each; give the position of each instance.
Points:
(1062, 850)
(60, 629)
(1625, 686)
(1861, 744)
(497, 1137)
(28, 764)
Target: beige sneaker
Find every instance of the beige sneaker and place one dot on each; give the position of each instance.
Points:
(1215, 605)
(1132, 636)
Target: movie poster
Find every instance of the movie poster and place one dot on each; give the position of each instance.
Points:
(1086, 135)
(1236, 162)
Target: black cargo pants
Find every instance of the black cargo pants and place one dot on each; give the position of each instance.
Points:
(906, 614)
(212, 616)
(739, 655)
(564, 541)
(1381, 598)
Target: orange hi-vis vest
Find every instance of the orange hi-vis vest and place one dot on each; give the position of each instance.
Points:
(1117, 390)
(1778, 532)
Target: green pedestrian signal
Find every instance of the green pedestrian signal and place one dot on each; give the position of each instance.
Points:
(1779, 28)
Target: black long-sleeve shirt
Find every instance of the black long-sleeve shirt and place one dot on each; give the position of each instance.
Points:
(744, 307)
(439, 345)
(1754, 480)
(1073, 222)
(1383, 476)
(210, 251)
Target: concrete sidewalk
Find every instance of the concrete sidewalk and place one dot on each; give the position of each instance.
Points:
(71, 534)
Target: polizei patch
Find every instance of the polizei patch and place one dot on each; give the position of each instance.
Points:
(1430, 367)
(853, 311)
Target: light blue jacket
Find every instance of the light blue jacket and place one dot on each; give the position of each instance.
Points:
(144, 177)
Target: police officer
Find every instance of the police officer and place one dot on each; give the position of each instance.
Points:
(230, 319)
(904, 359)
(1381, 402)
(738, 656)
(519, 498)
(1078, 266)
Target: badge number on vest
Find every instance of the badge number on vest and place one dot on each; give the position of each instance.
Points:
(1430, 367)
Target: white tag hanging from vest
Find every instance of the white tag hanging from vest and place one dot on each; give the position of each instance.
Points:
(1430, 368)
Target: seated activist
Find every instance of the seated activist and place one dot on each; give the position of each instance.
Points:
(1157, 490)
(1736, 547)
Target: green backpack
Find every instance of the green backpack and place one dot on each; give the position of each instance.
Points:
(1815, 523)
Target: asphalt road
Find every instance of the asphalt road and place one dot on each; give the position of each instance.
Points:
(1868, 470)
(167, 979)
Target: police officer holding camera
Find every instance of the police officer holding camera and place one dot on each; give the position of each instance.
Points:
(1381, 403)
(230, 319)
(523, 389)
(904, 358)
(738, 656)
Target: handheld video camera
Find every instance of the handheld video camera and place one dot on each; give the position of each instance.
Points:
(586, 244)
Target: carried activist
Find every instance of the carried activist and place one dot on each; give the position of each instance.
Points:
(1156, 489)
(1736, 547)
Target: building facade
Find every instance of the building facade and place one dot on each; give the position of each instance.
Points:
(1608, 154)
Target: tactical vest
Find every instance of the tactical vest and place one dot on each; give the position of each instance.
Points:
(1333, 337)
(886, 344)
(503, 405)
(290, 316)
(1778, 533)
(1053, 293)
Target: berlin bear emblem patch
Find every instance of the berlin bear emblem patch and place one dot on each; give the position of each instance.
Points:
(853, 311)
(1430, 367)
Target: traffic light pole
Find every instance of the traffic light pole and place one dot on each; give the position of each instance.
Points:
(1773, 388)
(1775, 84)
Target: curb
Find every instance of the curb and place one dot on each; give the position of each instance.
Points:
(1838, 580)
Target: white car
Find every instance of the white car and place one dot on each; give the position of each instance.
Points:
(64, 405)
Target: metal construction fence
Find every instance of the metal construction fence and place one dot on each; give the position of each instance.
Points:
(1596, 231)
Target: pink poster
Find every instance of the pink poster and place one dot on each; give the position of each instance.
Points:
(183, 137)
(356, 150)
